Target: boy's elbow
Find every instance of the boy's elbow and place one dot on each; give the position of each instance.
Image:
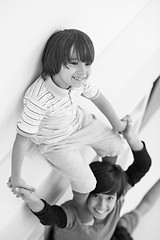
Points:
(149, 164)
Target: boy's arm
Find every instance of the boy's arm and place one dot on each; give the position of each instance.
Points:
(139, 167)
(132, 138)
(47, 214)
(105, 107)
(20, 148)
(32, 200)
(149, 199)
(142, 160)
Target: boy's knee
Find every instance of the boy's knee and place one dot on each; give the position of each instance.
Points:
(116, 147)
(86, 186)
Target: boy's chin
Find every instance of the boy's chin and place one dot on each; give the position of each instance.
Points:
(100, 218)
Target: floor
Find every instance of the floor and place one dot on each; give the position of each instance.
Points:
(149, 227)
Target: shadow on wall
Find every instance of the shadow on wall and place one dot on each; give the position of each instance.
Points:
(12, 113)
(153, 102)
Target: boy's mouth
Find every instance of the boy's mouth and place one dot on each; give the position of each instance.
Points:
(101, 211)
(79, 79)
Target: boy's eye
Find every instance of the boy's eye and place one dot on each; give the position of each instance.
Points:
(88, 63)
(73, 62)
(110, 198)
(96, 196)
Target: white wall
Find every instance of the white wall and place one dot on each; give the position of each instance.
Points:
(126, 35)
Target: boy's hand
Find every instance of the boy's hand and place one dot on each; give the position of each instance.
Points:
(128, 132)
(19, 184)
(125, 120)
(131, 136)
(30, 197)
(26, 195)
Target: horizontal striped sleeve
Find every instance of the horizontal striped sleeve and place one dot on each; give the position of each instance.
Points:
(31, 117)
(90, 90)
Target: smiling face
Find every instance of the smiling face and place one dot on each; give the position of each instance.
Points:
(100, 205)
(74, 73)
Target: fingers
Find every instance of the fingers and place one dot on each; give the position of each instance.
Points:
(21, 190)
(16, 192)
(9, 184)
(127, 118)
(22, 184)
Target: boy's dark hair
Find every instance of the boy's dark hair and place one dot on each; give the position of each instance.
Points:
(121, 233)
(58, 48)
(111, 178)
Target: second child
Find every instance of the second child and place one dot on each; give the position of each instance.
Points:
(104, 202)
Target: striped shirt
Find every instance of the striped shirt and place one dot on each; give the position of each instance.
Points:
(51, 113)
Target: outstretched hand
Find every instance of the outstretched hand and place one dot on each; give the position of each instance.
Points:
(26, 195)
(131, 136)
(31, 198)
(20, 184)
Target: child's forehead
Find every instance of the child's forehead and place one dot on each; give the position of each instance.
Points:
(107, 194)
(73, 53)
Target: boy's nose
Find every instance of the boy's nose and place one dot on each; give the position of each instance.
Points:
(82, 68)
(103, 205)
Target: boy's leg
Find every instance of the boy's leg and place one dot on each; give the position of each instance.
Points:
(80, 200)
(72, 165)
(106, 142)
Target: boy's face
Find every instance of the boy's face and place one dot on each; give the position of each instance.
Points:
(74, 74)
(100, 205)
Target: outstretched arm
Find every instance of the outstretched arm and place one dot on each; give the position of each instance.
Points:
(47, 214)
(105, 107)
(132, 138)
(149, 199)
(142, 160)
(30, 197)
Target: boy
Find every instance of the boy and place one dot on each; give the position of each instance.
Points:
(53, 121)
(104, 202)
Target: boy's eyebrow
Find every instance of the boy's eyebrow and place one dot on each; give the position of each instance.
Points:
(109, 194)
(73, 58)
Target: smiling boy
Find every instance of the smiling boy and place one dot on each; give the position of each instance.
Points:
(53, 121)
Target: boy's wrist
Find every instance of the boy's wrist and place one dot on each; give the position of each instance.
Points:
(135, 144)
(123, 126)
(15, 180)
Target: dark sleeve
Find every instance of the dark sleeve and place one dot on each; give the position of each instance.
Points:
(52, 215)
(139, 167)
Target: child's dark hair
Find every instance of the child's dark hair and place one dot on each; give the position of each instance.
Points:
(121, 233)
(111, 178)
(58, 48)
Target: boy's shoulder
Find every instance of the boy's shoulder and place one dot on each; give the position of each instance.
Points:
(68, 205)
(70, 211)
(36, 90)
(36, 83)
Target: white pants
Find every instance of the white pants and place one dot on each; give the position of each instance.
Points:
(66, 156)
